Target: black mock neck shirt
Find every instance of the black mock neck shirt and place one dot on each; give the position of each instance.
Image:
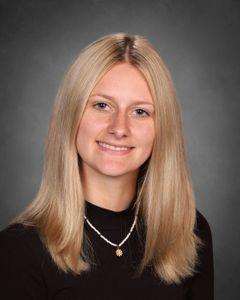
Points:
(27, 271)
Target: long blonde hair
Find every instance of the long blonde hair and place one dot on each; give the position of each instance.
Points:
(164, 188)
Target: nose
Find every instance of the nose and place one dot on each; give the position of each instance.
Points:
(119, 125)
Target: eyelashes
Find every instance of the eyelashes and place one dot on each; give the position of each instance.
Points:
(98, 107)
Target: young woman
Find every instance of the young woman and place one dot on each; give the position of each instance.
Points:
(115, 214)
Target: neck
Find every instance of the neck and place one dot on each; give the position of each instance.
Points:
(114, 193)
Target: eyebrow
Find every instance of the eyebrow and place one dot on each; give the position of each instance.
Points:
(112, 98)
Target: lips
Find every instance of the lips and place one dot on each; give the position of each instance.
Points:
(115, 152)
(115, 145)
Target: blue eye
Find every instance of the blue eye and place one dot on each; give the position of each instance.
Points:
(102, 105)
(146, 113)
(97, 104)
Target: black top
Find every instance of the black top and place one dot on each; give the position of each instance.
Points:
(27, 271)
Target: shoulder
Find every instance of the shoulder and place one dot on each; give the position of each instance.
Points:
(21, 241)
(202, 227)
(17, 231)
(204, 232)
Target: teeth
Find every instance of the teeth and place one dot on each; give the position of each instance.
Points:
(112, 147)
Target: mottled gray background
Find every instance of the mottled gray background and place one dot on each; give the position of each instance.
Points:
(199, 40)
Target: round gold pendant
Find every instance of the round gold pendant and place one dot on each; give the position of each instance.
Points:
(119, 252)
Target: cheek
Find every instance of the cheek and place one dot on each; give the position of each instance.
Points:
(145, 134)
(88, 130)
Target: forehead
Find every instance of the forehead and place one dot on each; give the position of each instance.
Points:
(123, 81)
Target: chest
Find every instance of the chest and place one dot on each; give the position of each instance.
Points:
(112, 277)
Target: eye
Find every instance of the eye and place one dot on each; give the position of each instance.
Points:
(142, 110)
(100, 107)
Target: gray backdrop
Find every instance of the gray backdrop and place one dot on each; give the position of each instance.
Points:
(199, 40)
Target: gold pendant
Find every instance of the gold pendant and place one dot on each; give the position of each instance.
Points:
(119, 252)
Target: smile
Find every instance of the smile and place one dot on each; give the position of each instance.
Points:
(112, 149)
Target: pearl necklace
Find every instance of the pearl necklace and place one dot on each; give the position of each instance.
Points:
(118, 251)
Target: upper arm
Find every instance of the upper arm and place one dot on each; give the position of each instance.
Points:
(202, 285)
(20, 272)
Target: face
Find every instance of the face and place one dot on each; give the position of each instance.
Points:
(119, 112)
